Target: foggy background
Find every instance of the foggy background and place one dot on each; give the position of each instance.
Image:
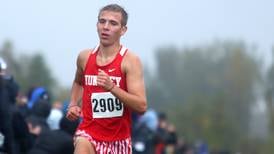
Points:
(208, 64)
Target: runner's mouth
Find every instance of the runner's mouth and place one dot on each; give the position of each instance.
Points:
(104, 35)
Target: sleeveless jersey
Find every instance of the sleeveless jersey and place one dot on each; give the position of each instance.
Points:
(105, 117)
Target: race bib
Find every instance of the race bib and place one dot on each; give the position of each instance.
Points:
(105, 105)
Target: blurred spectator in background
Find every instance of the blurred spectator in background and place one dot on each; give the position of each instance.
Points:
(13, 125)
(202, 147)
(144, 133)
(55, 115)
(161, 133)
(22, 101)
(36, 94)
(8, 93)
(184, 148)
(56, 141)
(150, 119)
(65, 107)
(171, 140)
(37, 118)
(39, 108)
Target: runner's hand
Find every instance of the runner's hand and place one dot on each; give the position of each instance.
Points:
(73, 112)
(104, 80)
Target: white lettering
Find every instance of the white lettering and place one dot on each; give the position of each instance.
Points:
(91, 80)
(116, 80)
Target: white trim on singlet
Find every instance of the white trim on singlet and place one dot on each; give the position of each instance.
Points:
(123, 50)
(96, 48)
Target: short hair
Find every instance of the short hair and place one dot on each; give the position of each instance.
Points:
(116, 8)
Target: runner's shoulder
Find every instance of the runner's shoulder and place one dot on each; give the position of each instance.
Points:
(84, 53)
(83, 57)
(130, 61)
(130, 55)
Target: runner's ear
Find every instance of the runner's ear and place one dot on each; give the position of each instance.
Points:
(124, 30)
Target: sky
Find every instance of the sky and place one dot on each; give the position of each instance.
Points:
(60, 29)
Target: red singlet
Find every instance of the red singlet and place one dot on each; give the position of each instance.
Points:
(105, 118)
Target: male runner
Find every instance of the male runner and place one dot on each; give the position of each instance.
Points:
(109, 80)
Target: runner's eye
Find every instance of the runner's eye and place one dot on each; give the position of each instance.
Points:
(114, 23)
(101, 21)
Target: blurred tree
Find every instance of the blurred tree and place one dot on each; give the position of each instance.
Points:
(29, 70)
(63, 93)
(209, 89)
(38, 72)
(8, 54)
(269, 95)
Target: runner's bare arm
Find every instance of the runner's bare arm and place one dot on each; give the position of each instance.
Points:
(76, 90)
(135, 98)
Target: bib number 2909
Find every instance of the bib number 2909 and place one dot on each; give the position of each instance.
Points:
(105, 105)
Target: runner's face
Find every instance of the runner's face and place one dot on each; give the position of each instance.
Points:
(109, 27)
